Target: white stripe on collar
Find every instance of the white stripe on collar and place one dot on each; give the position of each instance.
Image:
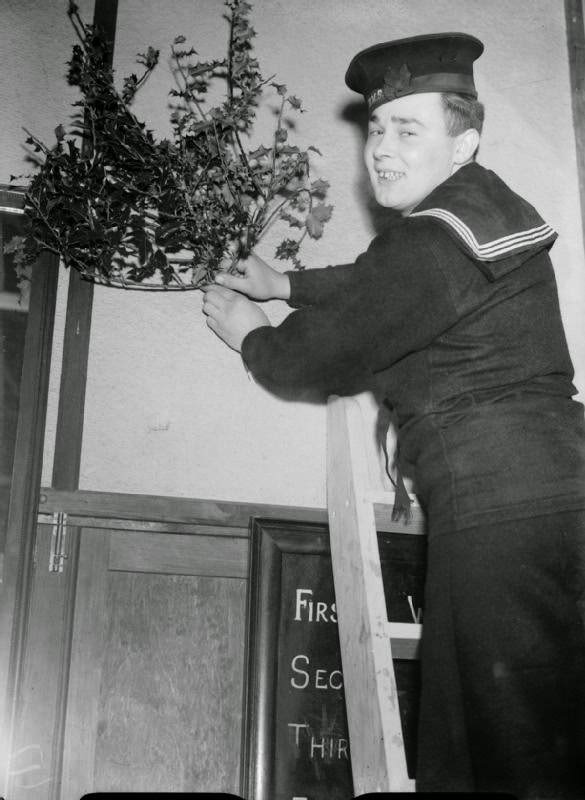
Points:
(496, 248)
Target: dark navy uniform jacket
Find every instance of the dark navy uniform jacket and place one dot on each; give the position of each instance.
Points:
(453, 312)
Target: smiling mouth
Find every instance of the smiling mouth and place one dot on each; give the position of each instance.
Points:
(385, 175)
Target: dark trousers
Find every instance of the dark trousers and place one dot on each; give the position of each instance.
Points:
(503, 660)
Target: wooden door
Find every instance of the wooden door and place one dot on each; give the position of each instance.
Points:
(133, 676)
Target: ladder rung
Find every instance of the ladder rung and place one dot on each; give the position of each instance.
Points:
(405, 630)
(405, 639)
(386, 498)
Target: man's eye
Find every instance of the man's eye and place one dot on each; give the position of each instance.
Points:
(407, 133)
(375, 131)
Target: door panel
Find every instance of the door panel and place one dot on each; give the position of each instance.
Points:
(155, 676)
(179, 555)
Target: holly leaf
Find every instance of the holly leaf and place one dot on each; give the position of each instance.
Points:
(158, 260)
(315, 221)
(288, 248)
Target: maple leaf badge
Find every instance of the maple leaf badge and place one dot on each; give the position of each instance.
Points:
(396, 82)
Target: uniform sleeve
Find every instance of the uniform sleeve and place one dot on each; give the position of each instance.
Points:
(314, 286)
(395, 302)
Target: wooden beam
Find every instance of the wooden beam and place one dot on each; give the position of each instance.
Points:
(69, 433)
(195, 511)
(576, 55)
(170, 509)
(70, 417)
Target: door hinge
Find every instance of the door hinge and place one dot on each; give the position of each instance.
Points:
(58, 552)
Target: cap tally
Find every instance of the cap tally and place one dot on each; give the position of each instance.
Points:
(439, 62)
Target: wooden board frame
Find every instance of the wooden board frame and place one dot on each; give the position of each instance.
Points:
(16, 573)
(270, 542)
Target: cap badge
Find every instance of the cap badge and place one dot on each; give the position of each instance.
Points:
(396, 82)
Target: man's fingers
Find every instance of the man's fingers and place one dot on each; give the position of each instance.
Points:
(216, 297)
(213, 290)
(235, 282)
(212, 303)
(212, 324)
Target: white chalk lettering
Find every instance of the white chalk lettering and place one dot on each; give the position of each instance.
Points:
(294, 668)
(303, 603)
(320, 747)
(306, 610)
(416, 615)
(319, 678)
(298, 726)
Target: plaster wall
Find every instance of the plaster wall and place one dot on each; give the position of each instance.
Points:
(169, 409)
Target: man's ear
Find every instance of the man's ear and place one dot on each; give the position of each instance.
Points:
(467, 144)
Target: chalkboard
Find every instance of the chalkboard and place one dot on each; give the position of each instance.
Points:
(295, 732)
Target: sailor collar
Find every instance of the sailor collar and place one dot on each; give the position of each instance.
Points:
(491, 223)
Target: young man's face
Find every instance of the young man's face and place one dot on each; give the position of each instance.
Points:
(409, 152)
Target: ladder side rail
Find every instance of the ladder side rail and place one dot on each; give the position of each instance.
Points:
(375, 731)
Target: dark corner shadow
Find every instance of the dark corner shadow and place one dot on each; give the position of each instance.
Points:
(355, 113)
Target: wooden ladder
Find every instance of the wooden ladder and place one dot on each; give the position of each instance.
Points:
(358, 506)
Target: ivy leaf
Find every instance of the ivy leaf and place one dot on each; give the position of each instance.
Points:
(148, 59)
(280, 88)
(316, 219)
(293, 221)
(260, 152)
(200, 68)
(319, 188)
(60, 133)
(289, 150)
(295, 102)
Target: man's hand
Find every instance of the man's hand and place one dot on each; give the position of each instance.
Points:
(257, 280)
(231, 316)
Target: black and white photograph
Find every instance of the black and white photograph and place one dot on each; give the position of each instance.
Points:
(292, 374)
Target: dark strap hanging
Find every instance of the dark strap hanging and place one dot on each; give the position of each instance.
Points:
(402, 500)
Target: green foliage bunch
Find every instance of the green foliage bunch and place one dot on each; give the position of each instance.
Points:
(128, 210)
